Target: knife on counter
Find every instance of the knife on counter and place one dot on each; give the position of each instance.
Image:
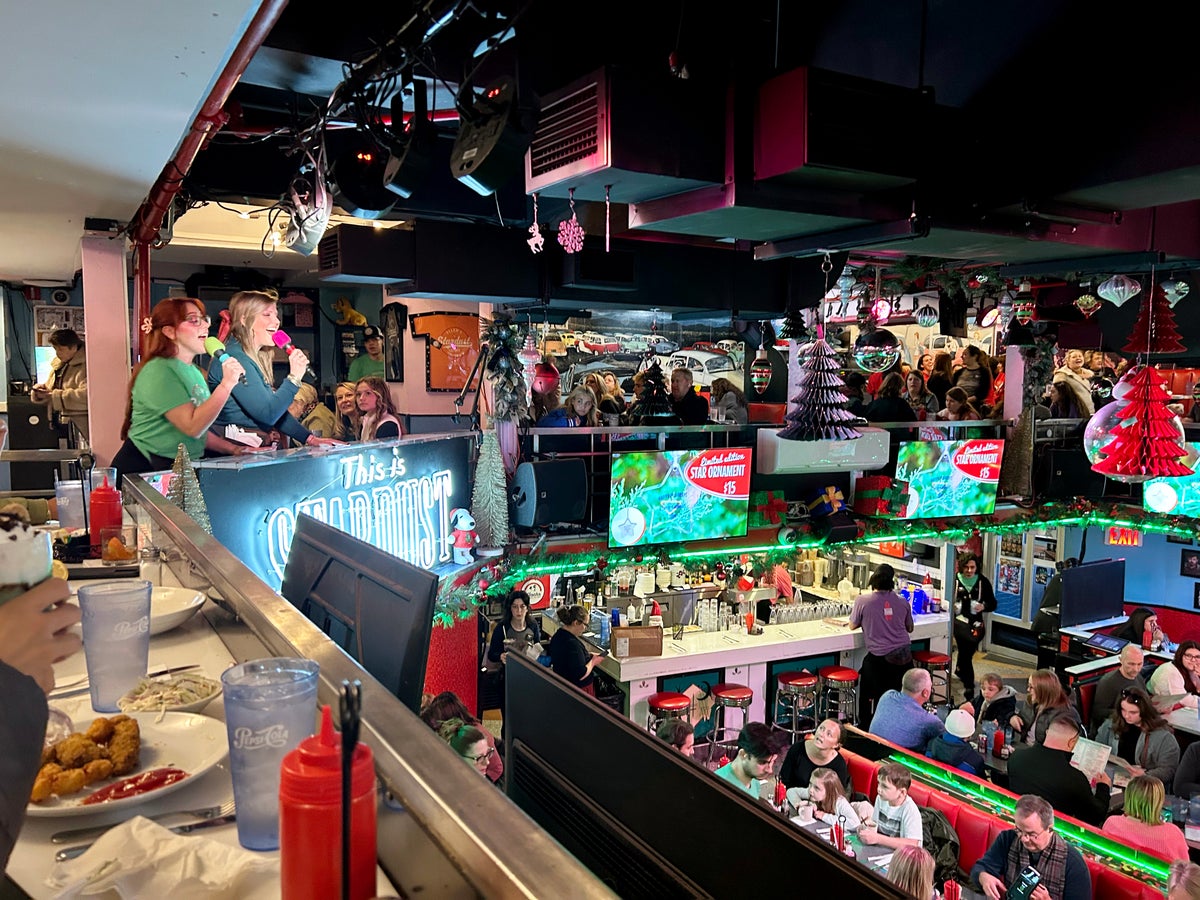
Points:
(72, 852)
(83, 834)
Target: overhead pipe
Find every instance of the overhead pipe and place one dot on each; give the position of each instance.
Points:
(143, 228)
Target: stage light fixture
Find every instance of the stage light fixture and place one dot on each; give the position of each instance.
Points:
(309, 204)
(411, 156)
(358, 166)
(496, 131)
(988, 314)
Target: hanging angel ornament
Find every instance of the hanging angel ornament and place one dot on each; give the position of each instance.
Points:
(570, 232)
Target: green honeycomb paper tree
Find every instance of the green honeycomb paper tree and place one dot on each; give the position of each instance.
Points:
(654, 406)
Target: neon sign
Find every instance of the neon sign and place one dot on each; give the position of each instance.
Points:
(1118, 536)
(395, 496)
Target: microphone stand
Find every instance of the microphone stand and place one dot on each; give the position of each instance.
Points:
(480, 364)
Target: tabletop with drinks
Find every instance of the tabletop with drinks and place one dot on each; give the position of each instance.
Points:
(233, 747)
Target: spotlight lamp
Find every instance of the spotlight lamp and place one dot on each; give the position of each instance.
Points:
(496, 131)
(989, 314)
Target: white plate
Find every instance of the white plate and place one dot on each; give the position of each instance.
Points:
(182, 740)
(170, 607)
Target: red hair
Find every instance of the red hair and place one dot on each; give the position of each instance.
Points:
(155, 344)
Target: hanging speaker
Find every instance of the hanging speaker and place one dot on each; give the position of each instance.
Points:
(548, 491)
(491, 143)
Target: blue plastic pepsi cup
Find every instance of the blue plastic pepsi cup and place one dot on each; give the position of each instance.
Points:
(116, 638)
(270, 707)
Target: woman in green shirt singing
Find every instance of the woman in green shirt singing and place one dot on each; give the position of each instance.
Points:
(169, 401)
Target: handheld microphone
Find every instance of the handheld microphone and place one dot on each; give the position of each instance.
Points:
(214, 348)
(284, 342)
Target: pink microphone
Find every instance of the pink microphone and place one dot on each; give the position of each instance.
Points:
(284, 342)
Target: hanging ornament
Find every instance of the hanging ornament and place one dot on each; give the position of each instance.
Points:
(570, 232)
(845, 284)
(881, 310)
(1087, 304)
(1118, 289)
(1146, 442)
(535, 241)
(927, 316)
(877, 351)
(1006, 309)
(1100, 428)
(607, 216)
(1023, 308)
(529, 358)
(1175, 290)
(1154, 331)
(760, 369)
(818, 412)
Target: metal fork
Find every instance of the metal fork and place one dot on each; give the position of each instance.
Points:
(81, 834)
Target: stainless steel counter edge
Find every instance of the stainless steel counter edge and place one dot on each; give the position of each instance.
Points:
(474, 824)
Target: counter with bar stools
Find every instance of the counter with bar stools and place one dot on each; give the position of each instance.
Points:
(795, 704)
(666, 705)
(838, 696)
(938, 667)
(725, 697)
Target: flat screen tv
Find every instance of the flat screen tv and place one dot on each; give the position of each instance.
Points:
(950, 478)
(1093, 592)
(1174, 496)
(375, 606)
(668, 496)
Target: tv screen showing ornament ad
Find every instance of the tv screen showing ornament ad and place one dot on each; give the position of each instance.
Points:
(1175, 496)
(950, 478)
(669, 496)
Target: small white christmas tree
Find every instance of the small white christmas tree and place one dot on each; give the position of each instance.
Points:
(184, 490)
(489, 499)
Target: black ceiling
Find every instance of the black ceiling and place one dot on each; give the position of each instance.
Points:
(1036, 121)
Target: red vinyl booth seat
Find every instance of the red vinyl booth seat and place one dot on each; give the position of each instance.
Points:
(766, 413)
(977, 830)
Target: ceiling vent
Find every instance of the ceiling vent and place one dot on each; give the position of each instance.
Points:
(645, 137)
(363, 254)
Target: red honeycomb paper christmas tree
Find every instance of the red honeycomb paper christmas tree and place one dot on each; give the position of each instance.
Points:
(1155, 331)
(1145, 443)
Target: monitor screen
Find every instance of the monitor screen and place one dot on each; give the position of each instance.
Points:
(1093, 592)
(950, 478)
(375, 606)
(1106, 642)
(42, 357)
(1174, 496)
(668, 496)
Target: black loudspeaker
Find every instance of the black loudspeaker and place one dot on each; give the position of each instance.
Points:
(1067, 474)
(551, 490)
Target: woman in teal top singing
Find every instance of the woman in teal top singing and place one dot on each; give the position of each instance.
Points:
(169, 401)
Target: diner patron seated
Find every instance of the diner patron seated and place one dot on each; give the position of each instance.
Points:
(895, 820)
(1033, 842)
(758, 748)
(901, 717)
(1108, 689)
(818, 751)
(1140, 736)
(1179, 677)
(995, 702)
(1142, 826)
(953, 747)
(1045, 769)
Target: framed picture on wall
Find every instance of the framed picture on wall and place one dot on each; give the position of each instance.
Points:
(1172, 539)
(451, 348)
(1189, 563)
(391, 322)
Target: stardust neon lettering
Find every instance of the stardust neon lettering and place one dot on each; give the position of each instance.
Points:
(408, 518)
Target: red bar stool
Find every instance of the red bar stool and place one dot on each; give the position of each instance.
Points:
(938, 666)
(666, 705)
(838, 697)
(796, 693)
(728, 696)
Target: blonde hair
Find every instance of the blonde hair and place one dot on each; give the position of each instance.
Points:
(830, 784)
(911, 870)
(582, 390)
(1144, 799)
(244, 308)
(340, 431)
(1185, 875)
(306, 395)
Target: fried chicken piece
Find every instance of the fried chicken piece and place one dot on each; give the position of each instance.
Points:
(96, 770)
(68, 781)
(75, 751)
(42, 785)
(100, 731)
(48, 755)
(121, 717)
(125, 746)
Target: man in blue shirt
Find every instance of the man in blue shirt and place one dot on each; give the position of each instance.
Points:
(901, 717)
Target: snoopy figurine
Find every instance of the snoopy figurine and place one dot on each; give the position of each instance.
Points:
(463, 536)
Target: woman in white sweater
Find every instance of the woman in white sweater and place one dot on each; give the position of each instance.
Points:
(1180, 676)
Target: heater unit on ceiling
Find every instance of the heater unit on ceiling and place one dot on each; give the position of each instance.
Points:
(645, 137)
(362, 254)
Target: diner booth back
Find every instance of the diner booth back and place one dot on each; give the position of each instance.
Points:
(646, 820)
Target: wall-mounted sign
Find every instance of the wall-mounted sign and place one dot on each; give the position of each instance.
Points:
(1119, 536)
(395, 495)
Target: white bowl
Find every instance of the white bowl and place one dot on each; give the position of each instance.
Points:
(170, 607)
(194, 707)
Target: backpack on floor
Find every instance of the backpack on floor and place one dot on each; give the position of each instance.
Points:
(941, 840)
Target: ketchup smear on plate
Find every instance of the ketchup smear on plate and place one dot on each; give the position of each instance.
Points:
(136, 784)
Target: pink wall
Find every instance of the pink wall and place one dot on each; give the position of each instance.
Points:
(106, 317)
(411, 396)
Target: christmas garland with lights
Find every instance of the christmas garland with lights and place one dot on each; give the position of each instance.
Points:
(461, 597)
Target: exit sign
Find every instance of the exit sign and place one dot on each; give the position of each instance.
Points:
(1118, 536)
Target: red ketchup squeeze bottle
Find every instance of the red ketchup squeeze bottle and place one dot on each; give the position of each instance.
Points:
(1147, 634)
(105, 509)
(310, 818)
